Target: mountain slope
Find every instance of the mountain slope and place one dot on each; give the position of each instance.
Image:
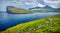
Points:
(58, 10)
(49, 24)
(11, 9)
(44, 9)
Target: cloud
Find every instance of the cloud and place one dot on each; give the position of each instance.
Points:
(4, 3)
(19, 3)
(41, 2)
(40, 5)
(27, 3)
(53, 3)
(34, 4)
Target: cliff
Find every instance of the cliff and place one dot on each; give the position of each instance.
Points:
(14, 10)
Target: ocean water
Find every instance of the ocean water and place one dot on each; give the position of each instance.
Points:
(9, 20)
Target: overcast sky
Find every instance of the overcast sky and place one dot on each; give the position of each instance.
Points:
(28, 3)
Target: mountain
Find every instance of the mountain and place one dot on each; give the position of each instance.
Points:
(44, 9)
(14, 10)
(58, 9)
(34, 8)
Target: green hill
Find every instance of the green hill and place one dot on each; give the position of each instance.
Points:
(11, 9)
(49, 24)
(44, 9)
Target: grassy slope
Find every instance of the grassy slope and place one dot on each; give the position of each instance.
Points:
(45, 10)
(18, 10)
(38, 26)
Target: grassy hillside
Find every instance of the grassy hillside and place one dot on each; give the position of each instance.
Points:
(49, 24)
(11, 9)
(45, 10)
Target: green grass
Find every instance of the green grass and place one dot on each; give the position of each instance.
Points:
(18, 10)
(45, 10)
(43, 25)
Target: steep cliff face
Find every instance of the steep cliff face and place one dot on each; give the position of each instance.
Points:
(11, 9)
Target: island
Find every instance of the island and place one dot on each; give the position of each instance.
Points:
(44, 9)
(15, 10)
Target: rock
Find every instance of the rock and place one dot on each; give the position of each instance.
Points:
(29, 29)
(46, 22)
(51, 20)
(52, 27)
(19, 31)
(34, 29)
(39, 26)
(26, 32)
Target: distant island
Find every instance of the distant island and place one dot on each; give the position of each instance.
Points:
(14, 10)
(44, 9)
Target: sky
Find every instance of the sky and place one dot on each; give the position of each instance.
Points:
(25, 4)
